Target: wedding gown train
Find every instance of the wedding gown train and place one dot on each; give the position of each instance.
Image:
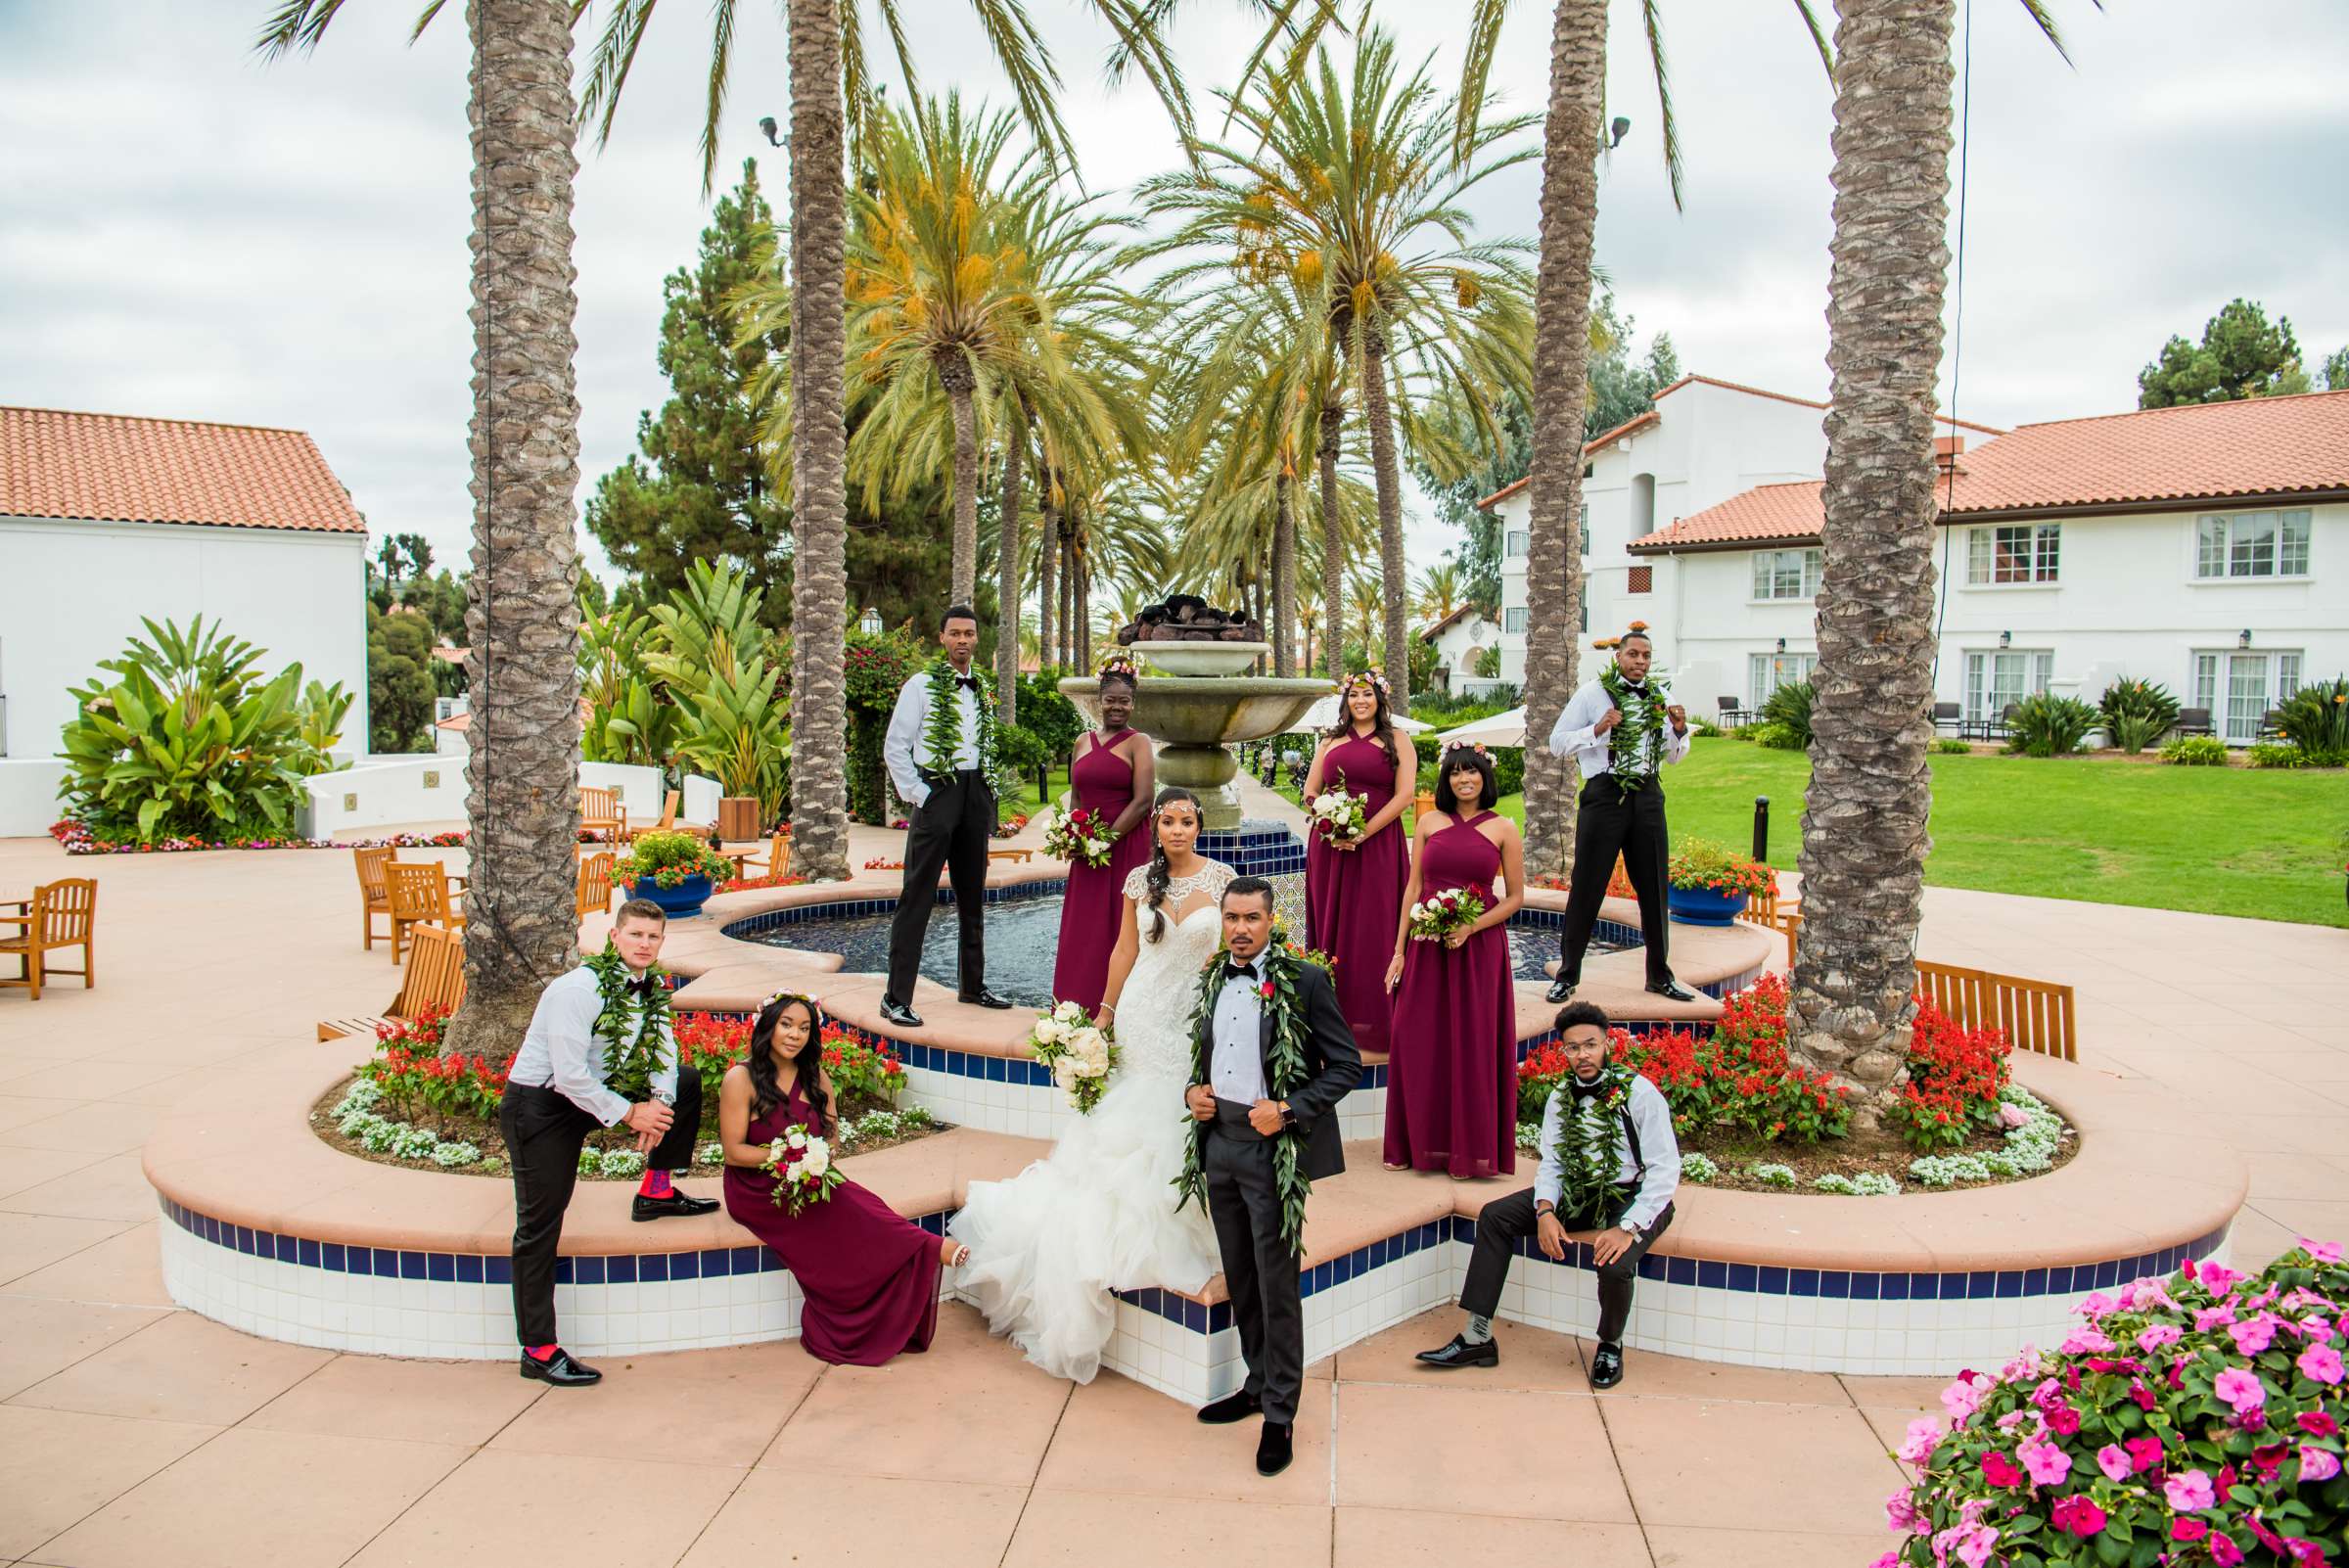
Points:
(1097, 1214)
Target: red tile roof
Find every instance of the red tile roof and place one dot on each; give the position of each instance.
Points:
(114, 467)
(2147, 459)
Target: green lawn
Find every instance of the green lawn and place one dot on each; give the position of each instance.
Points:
(2267, 844)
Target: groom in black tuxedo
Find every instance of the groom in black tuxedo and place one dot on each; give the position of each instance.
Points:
(1247, 1118)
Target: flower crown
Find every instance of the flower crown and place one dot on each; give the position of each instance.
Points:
(1119, 665)
(793, 995)
(1477, 747)
(1367, 678)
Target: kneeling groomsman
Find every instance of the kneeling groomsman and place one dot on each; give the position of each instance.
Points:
(1609, 1164)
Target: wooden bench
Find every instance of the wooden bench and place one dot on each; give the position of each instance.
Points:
(2036, 1015)
(60, 914)
(1023, 856)
(600, 812)
(435, 975)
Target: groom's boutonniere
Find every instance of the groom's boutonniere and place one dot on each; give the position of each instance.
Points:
(1264, 989)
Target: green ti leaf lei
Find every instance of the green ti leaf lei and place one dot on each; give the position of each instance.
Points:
(1637, 745)
(630, 1071)
(942, 735)
(1592, 1141)
(1284, 1072)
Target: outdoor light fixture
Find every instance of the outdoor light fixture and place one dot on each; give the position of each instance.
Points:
(869, 622)
(1782, 645)
(2243, 639)
(1617, 130)
(2005, 639)
(766, 123)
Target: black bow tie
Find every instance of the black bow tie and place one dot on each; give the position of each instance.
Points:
(967, 682)
(640, 984)
(1239, 972)
(1586, 1092)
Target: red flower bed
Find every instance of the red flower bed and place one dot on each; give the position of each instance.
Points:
(79, 839)
(1955, 1075)
(789, 878)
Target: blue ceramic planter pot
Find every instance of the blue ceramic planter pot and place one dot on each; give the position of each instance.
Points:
(1702, 907)
(686, 898)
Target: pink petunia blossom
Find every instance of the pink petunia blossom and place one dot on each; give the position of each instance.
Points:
(2240, 1389)
(1901, 1515)
(2223, 1549)
(2048, 1463)
(2145, 1452)
(2322, 1362)
(2315, 1327)
(2208, 1319)
(2218, 1278)
(2077, 1516)
(2084, 1340)
(2252, 1338)
(2318, 1464)
(1999, 1470)
(2114, 1462)
(2153, 1336)
(1924, 1435)
(1890, 1559)
(2063, 1420)
(2316, 1423)
(2095, 1304)
(1963, 1396)
(2321, 1250)
(2190, 1492)
(2187, 1530)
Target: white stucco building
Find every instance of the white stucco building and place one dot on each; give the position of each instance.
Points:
(1460, 639)
(2205, 547)
(105, 519)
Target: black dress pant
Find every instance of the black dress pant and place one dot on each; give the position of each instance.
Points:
(544, 1133)
(1508, 1221)
(1612, 820)
(1259, 1269)
(951, 830)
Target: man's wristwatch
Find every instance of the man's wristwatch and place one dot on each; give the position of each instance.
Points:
(1542, 1206)
(1628, 1228)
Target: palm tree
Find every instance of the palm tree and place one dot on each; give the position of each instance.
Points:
(522, 800)
(1439, 589)
(1346, 176)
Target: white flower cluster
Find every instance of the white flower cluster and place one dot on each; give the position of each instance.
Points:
(1529, 1137)
(356, 1118)
(619, 1163)
(1443, 911)
(709, 1154)
(1866, 1184)
(449, 1156)
(1773, 1176)
(1697, 1168)
(1340, 811)
(2030, 1147)
(813, 1155)
(1080, 1055)
(876, 1126)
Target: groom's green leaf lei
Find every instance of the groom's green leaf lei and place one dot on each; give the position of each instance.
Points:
(1284, 1070)
(1591, 1148)
(942, 735)
(1636, 744)
(630, 1073)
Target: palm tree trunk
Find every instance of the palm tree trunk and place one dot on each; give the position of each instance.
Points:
(1394, 588)
(956, 376)
(1047, 573)
(1085, 607)
(1554, 567)
(521, 621)
(1068, 595)
(1333, 548)
(1007, 574)
(1284, 577)
(819, 228)
(1864, 817)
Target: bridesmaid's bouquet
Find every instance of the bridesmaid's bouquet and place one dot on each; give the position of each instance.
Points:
(1439, 914)
(1338, 811)
(1079, 836)
(1079, 1053)
(801, 1163)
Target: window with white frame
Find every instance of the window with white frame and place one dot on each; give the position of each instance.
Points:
(2010, 555)
(2251, 544)
(1787, 574)
(1584, 522)
(1766, 672)
(2239, 685)
(1519, 538)
(1995, 678)
(1513, 618)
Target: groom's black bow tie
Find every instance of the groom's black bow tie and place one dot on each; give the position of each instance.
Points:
(640, 984)
(967, 682)
(1239, 972)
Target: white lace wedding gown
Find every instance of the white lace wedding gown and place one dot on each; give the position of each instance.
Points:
(1098, 1213)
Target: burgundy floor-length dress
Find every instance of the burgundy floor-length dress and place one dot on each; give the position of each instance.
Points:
(1353, 898)
(871, 1277)
(1451, 1085)
(1102, 781)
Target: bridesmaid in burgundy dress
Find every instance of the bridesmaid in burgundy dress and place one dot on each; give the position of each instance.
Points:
(871, 1277)
(1354, 887)
(1451, 1088)
(1114, 773)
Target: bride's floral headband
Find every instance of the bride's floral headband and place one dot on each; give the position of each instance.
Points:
(1369, 677)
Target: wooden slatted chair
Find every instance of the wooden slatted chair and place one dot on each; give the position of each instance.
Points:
(61, 914)
(1775, 912)
(374, 898)
(777, 861)
(600, 812)
(1023, 856)
(669, 807)
(595, 885)
(419, 893)
(434, 976)
(2036, 1015)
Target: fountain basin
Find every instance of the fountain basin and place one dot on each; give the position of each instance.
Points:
(1193, 717)
(1200, 657)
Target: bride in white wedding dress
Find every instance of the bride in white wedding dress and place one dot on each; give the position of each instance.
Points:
(1098, 1214)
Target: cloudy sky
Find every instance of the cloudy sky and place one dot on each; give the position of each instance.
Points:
(187, 232)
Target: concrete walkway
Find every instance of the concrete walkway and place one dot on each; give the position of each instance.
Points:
(134, 1434)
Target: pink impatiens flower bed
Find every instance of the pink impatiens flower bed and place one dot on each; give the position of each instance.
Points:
(2191, 1420)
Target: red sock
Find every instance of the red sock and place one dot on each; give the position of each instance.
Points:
(655, 1184)
(540, 1353)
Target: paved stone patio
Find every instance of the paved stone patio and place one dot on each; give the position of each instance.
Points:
(135, 1434)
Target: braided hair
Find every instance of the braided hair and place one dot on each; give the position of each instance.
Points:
(1382, 721)
(767, 1089)
(1161, 873)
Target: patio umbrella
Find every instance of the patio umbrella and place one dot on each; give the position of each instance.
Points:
(1324, 714)
(1502, 729)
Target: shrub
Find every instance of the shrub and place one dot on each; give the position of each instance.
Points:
(1051, 718)
(863, 1071)
(876, 668)
(2137, 713)
(1955, 1077)
(2196, 751)
(666, 859)
(1019, 752)
(1789, 707)
(1698, 1168)
(1952, 746)
(2265, 755)
(1775, 737)
(1739, 1077)
(2316, 720)
(1771, 1175)
(2047, 725)
(2189, 1420)
(1748, 732)
(1700, 864)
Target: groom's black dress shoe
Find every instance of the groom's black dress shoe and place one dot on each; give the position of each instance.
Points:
(894, 1011)
(1671, 990)
(1559, 990)
(1459, 1353)
(982, 997)
(1607, 1366)
(1231, 1407)
(1274, 1450)
(559, 1369)
(676, 1203)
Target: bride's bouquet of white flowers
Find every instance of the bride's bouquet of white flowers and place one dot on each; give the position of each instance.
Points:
(1338, 811)
(1078, 1051)
(1443, 913)
(801, 1163)
(1079, 836)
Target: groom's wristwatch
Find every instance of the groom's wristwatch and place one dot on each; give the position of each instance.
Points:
(1628, 1228)
(1288, 1117)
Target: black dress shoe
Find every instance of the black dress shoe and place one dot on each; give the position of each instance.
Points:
(559, 1369)
(1231, 1407)
(982, 997)
(1671, 990)
(894, 1011)
(1275, 1448)
(1559, 990)
(1459, 1353)
(1607, 1366)
(676, 1203)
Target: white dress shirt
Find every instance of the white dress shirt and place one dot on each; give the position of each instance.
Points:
(1577, 736)
(1657, 1169)
(1236, 1069)
(904, 748)
(562, 1049)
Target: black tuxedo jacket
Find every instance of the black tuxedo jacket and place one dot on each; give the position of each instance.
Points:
(1332, 1068)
